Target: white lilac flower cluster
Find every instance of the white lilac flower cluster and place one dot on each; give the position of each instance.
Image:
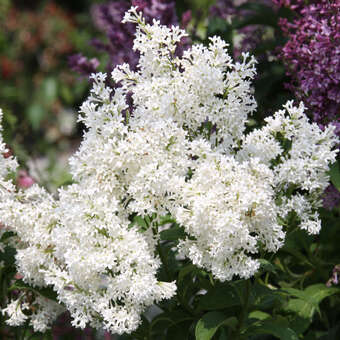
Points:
(7, 166)
(183, 151)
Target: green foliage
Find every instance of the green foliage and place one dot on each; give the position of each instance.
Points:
(335, 174)
(48, 293)
(208, 325)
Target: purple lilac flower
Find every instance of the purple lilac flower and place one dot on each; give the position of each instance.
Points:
(334, 280)
(107, 18)
(331, 197)
(82, 65)
(312, 58)
(250, 35)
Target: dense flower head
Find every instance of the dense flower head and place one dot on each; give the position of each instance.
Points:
(182, 151)
(312, 55)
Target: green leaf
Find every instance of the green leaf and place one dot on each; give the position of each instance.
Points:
(332, 334)
(66, 94)
(49, 90)
(170, 322)
(46, 292)
(259, 315)
(174, 233)
(334, 172)
(186, 270)
(264, 298)
(278, 327)
(301, 307)
(219, 298)
(8, 256)
(166, 219)
(316, 293)
(299, 324)
(217, 24)
(208, 325)
(140, 222)
(173, 317)
(266, 266)
(178, 331)
(313, 294)
(35, 114)
(308, 300)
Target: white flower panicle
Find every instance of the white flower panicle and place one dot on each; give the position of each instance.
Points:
(228, 208)
(182, 150)
(7, 165)
(42, 312)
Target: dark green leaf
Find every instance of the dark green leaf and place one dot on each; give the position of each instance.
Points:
(278, 327)
(173, 317)
(49, 89)
(259, 315)
(308, 300)
(313, 294)
(190, 268)
(140, 222)
(316, 293)
(208, 325)
(8, 256)
(178, 332)
(46, 292)
(264, 298)
(219, 298)
(334, 172)
(301, 307)
(166, 219)
(299, 324)
(35, 114)
(174, 233)
(266, 266)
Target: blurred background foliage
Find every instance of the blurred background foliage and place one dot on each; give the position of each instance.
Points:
(40, 96)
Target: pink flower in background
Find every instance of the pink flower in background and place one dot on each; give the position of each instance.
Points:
(24, 180)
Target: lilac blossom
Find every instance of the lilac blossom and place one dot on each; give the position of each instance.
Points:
(107, 17)
(331, 198)
(24, 180)
(83, 65)
(312, 58)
